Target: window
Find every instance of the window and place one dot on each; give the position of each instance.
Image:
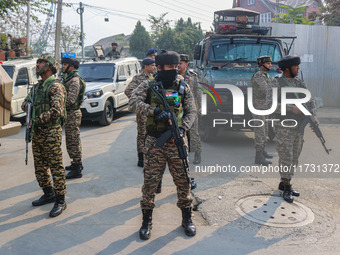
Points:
(266, 17)
(97, 72)
(22, 78)
(245, 51)
(315, 5)
(250, 2)
(121, 70)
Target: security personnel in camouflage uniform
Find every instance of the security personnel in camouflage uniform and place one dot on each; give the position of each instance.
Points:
(148, 67)
(288, 140)
(47, 116)
(191, 79)
(259, 82)
(151, 53)
(113, 53)
(181, 101)
(75, 88)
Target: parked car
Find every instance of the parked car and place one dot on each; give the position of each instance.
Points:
(106, 81)
(22, 72)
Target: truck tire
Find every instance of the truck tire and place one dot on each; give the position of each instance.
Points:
(107, 116)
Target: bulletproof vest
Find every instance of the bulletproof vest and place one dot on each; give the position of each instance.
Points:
(286, 82)
(257, 93)
(80, 98)
(42, 103)
(174, 96)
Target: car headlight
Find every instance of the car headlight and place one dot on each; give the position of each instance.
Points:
(94, 93)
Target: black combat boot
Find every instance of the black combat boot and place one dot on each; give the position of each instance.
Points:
(266, 155)
(260, 159)
(140, 159)
(189, 227)
(159, 187)
(197, 158)
(73, 166)
(145, 230)
(59, 206)
(294, 192)
(48, 197)
(287, 194)
(75, 172)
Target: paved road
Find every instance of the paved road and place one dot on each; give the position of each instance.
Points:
(103, 214)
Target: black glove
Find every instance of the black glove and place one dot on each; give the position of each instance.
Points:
(182, 130)
(160, 115)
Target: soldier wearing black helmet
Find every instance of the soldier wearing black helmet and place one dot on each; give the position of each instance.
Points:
(181, 101)
(113, 53)
(75, 88)
(288, 140)
(48, 98)
(259, 83)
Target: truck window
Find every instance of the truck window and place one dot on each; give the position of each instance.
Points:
(121, 70)
(225, 51)
(22, 78)
(9, 70)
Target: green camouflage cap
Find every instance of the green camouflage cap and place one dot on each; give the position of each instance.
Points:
(50, 61)
(184, 57)
(263, 59)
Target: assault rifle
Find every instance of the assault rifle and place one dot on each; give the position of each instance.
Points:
(173, 132)
(313, 124)
(30, 100)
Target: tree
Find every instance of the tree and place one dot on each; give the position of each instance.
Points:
(140, 41)
(331, 12)
(158, 26)
(16, 6)
(182, 38)
(293, 15)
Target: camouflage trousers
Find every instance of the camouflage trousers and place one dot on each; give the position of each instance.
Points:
(141, 131)
(47, 154)
(260, 132)
(154, 166)
(72, 133)
(195, 140)
(288, 143)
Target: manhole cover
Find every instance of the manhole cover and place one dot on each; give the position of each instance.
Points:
(274, 211)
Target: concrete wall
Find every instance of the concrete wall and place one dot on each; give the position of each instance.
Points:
(319, 47)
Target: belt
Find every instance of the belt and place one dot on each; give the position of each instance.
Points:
(154, 134)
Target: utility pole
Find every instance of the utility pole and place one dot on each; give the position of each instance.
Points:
(80, 11)
(58, 31)
(28, 34)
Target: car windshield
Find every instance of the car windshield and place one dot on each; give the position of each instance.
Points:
(9, 70)
(243, 51)
(97, 72)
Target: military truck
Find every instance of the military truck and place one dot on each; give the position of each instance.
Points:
(228, 56)
(6, 86)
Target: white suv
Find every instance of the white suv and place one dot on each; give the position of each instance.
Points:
(106, 82)
(22, 71)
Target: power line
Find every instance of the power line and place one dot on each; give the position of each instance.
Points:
(192, 6)
(158, 4)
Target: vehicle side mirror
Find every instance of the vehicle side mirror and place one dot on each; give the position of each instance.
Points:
(197, 52)
(121, 78)
(21, 82)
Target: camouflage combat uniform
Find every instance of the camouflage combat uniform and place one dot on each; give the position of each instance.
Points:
(156, 158)
(75, 88)
(288, 140)
(113, 54)
(140, 118)
(259, 82)
(191, 79)
(48, 111)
